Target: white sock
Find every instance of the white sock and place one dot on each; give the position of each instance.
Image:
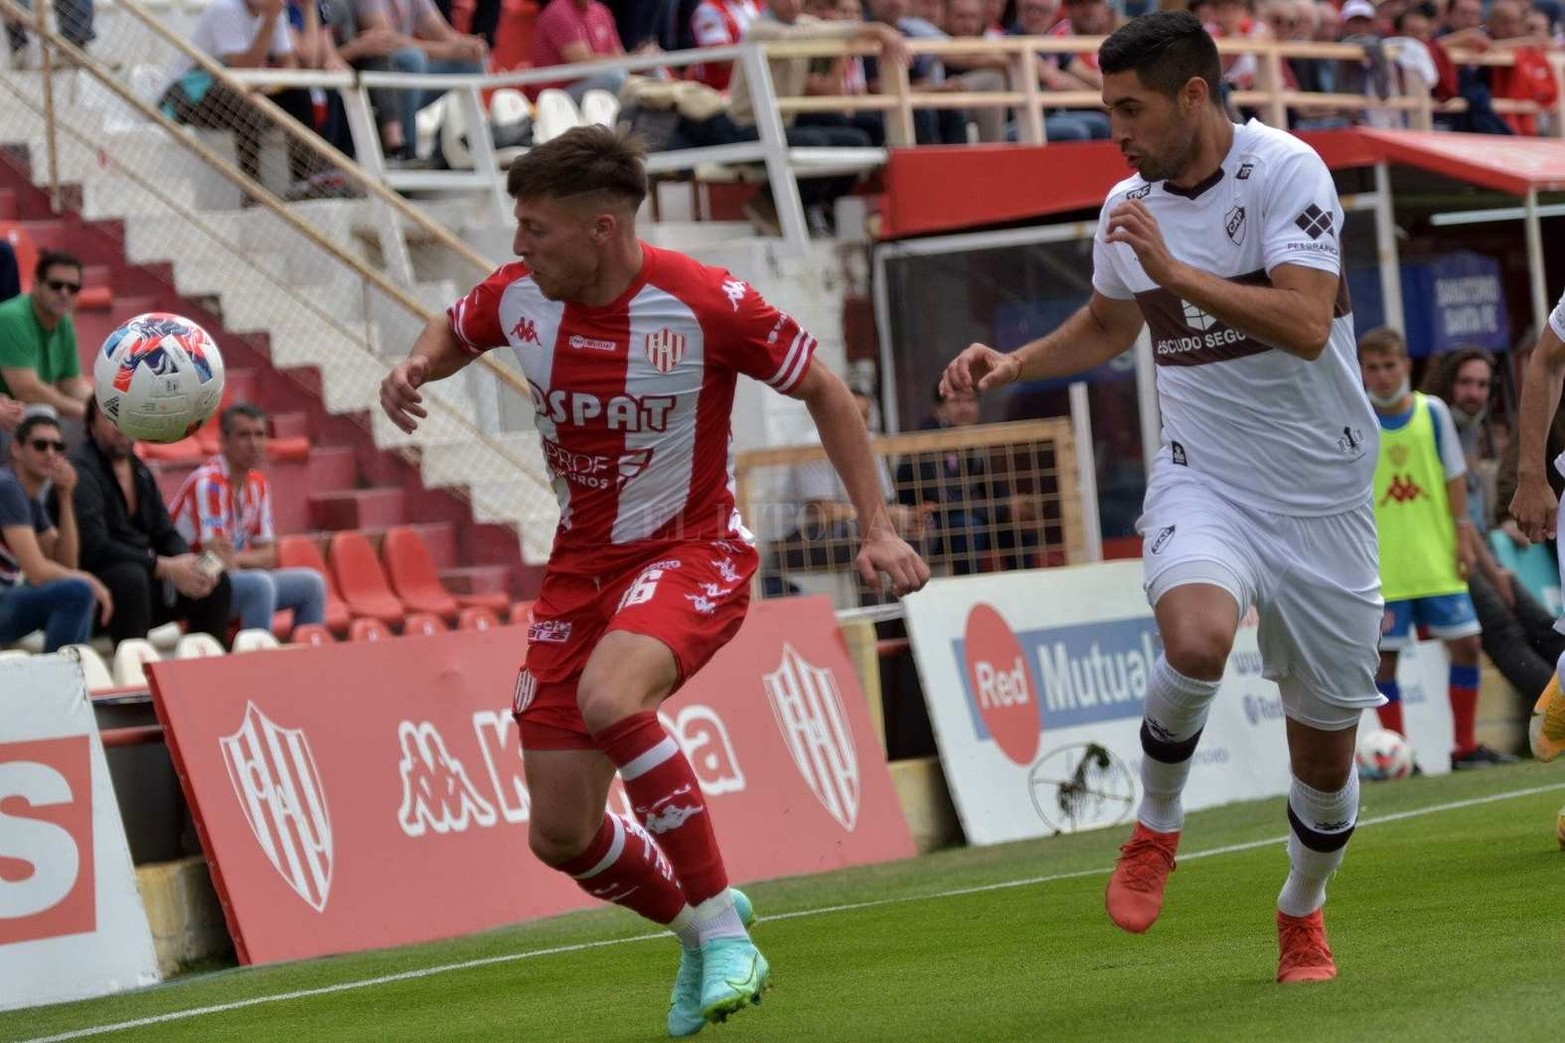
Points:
(717, 918)
(1174, 714)
(1319, 827)
(685, 928)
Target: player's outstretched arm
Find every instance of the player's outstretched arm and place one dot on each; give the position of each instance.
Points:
(1101, 329)
(1534, 506)
(846, 442)
(436, 354)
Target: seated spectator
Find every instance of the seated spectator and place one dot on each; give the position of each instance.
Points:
(970, 512)
(410, 36)
(976, 72)
(720, 23)
(241, 34)
(572, 31)
(925, 73)
(225, 506)
(38, 358)
(72, 18)
(1232, 20)
(315, 46)
(1518, 632)
(10, 271)
(40, 585)
(1076, 72)
(129, 542)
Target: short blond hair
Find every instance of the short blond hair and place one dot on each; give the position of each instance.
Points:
(1382, 341)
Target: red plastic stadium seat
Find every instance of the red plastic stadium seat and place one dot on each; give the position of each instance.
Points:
(367, 629)
(475, 618)
(300, 552)
(361, 580)
(424, 623)
(311, 634)
(413, 574)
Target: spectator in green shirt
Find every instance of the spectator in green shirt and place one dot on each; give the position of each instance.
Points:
(38, 359)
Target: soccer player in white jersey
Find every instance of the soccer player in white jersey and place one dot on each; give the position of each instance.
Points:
(1226, 243)
(1537, 512)
(633, 354)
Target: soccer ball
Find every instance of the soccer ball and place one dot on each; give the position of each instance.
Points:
(158, 377)
(1383, 754)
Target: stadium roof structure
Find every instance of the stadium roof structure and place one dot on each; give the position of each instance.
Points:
(933, 190)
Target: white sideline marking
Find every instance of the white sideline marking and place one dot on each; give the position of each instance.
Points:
(488, 961)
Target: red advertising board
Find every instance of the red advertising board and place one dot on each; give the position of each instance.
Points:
(363, 795)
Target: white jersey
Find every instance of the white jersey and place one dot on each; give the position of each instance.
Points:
(1260, 425)
(1557, 324)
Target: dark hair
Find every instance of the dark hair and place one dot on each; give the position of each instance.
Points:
(1167, 49)
(581, 161)
(55, 259)
(1382, 340)
(92, 411)
(232, 414)
(1426, 10)
(25, 429)
(1441, 376)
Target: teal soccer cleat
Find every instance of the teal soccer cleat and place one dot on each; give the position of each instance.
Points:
(733, 976)
(684, 1009)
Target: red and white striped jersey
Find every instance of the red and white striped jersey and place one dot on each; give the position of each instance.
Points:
(634, 399)
(211, 504)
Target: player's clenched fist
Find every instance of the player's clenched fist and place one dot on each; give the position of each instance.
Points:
(979, 368)
(399, 395)
(884, 552)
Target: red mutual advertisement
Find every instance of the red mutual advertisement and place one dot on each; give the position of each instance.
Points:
(364, 795)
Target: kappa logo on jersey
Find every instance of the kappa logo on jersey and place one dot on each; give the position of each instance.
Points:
(1197, 319)
(1161, 540)
(279, 790)
(1139, 193)
(665, 349)
(1313, 222)
(592, 470)
(526, 691)
(526, 331)
(808, 707)
(702, 604)
(735, 290)
(1402, 490)
(550, 631)
(436, 792)
(1245, 170)
(1233, 224)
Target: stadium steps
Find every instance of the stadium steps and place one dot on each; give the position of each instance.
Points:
(345, 463)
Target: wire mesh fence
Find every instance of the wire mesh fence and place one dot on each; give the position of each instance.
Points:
(973, 499)
(236, 206)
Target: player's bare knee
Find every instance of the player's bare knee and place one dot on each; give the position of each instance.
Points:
(1388, 667)
(1464, 650)
(1198, 652)
(1324, 764)
(555, 843)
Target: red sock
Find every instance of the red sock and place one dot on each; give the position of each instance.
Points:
(667, 798)
(1464, 710)
(624, 865)
(1391, 717)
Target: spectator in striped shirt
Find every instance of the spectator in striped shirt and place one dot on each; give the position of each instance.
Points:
(225, 506)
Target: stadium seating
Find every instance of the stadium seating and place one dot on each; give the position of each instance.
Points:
(198, 646)
(424, 624)
(14, 653)
(476, 618)
(553, 115)
(94, 672)
(130, 662)
(368, 628)
(521, 612)
(1535, 566)
(255, 640)
(362, 581)
(300, 552)
(413, 575)
(311, 634)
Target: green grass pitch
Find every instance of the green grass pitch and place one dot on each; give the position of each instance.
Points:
(1447, 920)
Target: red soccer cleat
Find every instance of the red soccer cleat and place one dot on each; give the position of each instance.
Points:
(1135, 895)
(1305, 956)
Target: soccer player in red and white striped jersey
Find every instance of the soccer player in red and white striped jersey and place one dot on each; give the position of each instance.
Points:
(633, 354)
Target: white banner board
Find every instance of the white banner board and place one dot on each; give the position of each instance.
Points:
(71, 920)
(1035, 681)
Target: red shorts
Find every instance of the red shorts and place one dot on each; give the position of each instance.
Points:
(690, 596)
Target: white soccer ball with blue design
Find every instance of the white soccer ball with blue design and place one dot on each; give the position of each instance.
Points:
(1383, 754)
(158, 377)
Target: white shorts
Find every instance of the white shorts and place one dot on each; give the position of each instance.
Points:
(1313, 581)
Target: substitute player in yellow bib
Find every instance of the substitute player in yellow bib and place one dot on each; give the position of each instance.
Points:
(1537, 512)
(1427, 540)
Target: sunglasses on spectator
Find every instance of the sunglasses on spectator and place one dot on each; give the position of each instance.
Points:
(44, 444)
(61, 286)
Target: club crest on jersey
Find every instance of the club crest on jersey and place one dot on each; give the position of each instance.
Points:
(665, 349)
(1233, 224)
